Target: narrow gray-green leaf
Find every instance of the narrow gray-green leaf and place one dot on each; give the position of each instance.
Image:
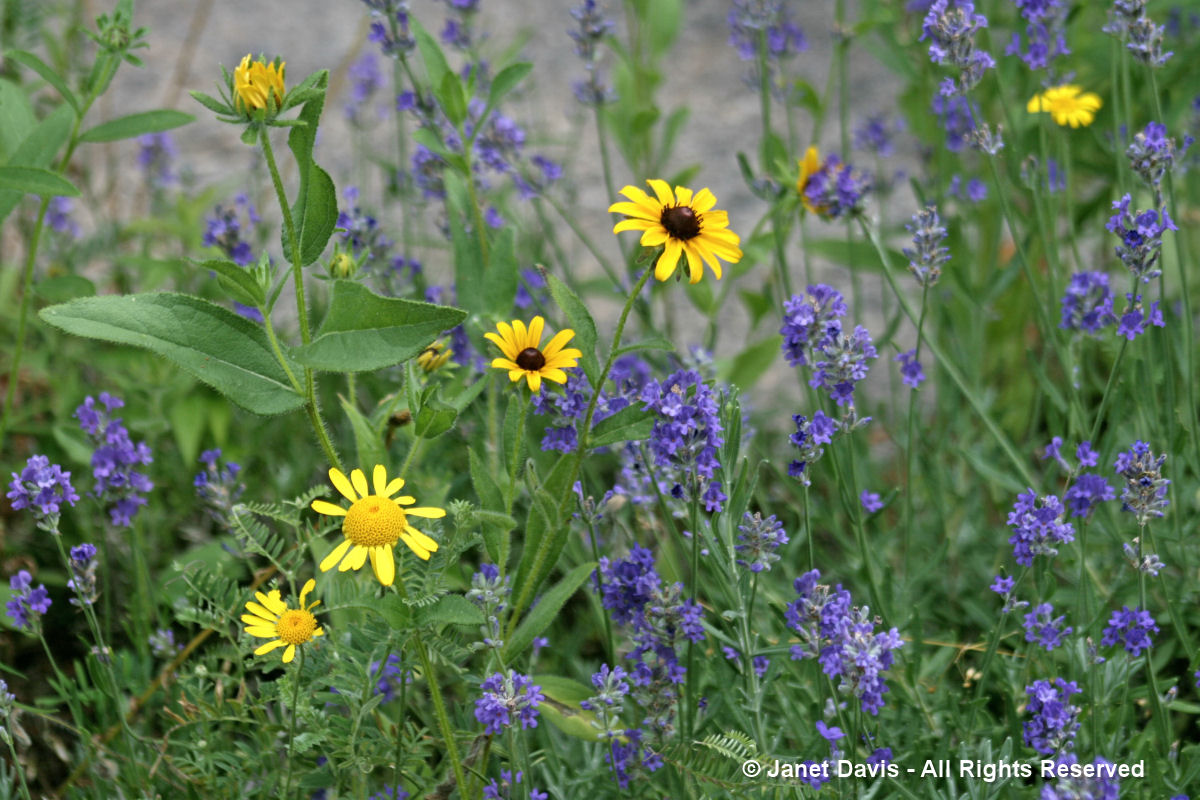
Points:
(545, 612)
(220, 348)
(364, 331)
(630, 424)
(133, 125)
(47, 72)
(506, 80)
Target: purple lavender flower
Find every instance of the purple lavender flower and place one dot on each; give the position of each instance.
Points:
(58, 217)
(1037, 527)
(687, 433)
(390, 793)
(837, 189)
(808, 438)
(365, 79)
(611, 689)
(810, 322)
(1042, 627)
(27, 605)
(592, 27)
(83, 574)
(755, 22)
(951, 25)
(957, 118)
(163, 645)
(390, 27)
(870, 501)
(1044, 33)
(217, 486)
(1088, 491)
(1105, 786)
(427, 168)
(507, 698)
(505, 789)
(1143, 39)
(1135, 317)
(910, 368)
(389, 676)
(490, 592)
(1002, 586)
(1141, 237)
(42, 487)
(927, 255)
(532, 288)
(1087, 304)
(118, 484)
(226, 228)
(758, 539)
(1054, 722)
(842, 637)
(1130, 628)
(1147, 563)
(360, 232)
(1152, 154)
(156, 156)
(842, 364)
(1145, 492)
(876, 133)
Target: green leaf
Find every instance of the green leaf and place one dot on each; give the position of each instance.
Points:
(435, 418)
(47, 72)
(561, 706)
(367, 442)
(16, 119)
(581, 322)
(546, 611)
(133, 125)
(543, 523)
(649, 343)
(491, 498)
(212, 104)
(315, 211)
(630, 424)
(453, 98)
(854, 254)
(62, 288)
(237, 281)
(452, 609)
(512, 430)
(744, 369)
(38, 149)
(34, 180)
(364, 331)
(220, 348)
(397, 614)
(431, 53)
(506, 80)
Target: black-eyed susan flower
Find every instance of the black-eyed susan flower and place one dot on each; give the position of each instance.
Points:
(255, 81)
(524, 356)
(1068, 104)
(270, 618)
(374, 523)
(684, 224)
(809, 165)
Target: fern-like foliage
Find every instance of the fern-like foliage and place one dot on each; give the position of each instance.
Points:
(716, 759)
(213, 598)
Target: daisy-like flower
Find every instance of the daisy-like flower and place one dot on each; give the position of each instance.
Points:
(254, 81)
(684, 223)
(374, 523)
(524, 356)
(1068, 104)
(809, 166)
(270, 618)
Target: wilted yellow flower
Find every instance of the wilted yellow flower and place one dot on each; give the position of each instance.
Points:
(435, 356)
(809, 166)
(254, 81)
(270, 618)
(374, 523)
(1066, 104)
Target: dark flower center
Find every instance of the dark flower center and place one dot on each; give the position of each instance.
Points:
(681, 222)
(531, 359)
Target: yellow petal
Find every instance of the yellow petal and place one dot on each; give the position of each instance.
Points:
(557, 343)
(500, 342)
(262, 633)
(504, 363)
(695, 266)
(662, 191)
(360, 482)
(535, 381)
(379, 479)
(637, 212)
(683, 196)
(327, 508)
(356, 559)
(336, 555)
(272, 601)
(338, 479)
(419, 551)
(426, 512)
(535, 331)
(309, 585)
(406, 500)
(665, 267)
(654, 236)
(554, 374)
(515, 375)
(261, 613)
(289, 654)
(396, 485)
(425, 542)
(269, 646)
(703, 201)
(384, 564)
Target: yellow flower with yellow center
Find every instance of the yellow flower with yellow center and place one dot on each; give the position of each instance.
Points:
(524, 356)
(255, 81)
(809, 166)
(1068, 104)
(684, 224)
(374, 523)
(270, 618)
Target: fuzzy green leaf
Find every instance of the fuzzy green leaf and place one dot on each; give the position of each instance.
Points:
(133, 125)
(34, 180)
(630, 424)
(581, 322)
(48, 74)
(545, 612)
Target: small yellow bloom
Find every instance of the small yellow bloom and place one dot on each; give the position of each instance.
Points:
(374, 523)
(684, 223)
(809, 166)
(254, 81)
(523, 354)
(435, 356)
(270, 618)
(1066, 104)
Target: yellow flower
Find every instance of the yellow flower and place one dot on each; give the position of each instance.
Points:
(809, 166)
(254, 81)
(270, 618)
(374, 523)
(685, 224)
(435, 356)
(1066, 105)
(523, 354)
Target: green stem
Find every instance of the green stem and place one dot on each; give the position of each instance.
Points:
(15, 762)
(522, 601)
(911, 451)
(312, 407)
(1112, 378)
(287, 783)
(23, 318)
(439, 704)
(946, 364)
